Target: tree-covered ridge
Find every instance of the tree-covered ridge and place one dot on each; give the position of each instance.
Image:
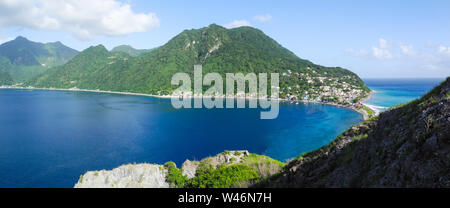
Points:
(23, 59)
(218, 49)
(130, 50)
(5, 79)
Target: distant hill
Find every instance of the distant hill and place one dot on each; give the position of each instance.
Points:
(23, 59)
(218, 49)
(407, 146)
(130, 50)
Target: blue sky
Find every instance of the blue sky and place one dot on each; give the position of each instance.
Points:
(372, 38)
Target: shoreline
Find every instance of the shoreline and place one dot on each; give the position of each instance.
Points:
(376, 111)
(362, 112)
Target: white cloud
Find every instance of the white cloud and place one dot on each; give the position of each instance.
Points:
(430, 66)
(444, 50)
(3, 40)
(84, 19)
(407, 49)
(237, 23)
(431, 57)
(383, 43)
(381, 53)
(263, 18)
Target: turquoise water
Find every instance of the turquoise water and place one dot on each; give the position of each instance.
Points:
(391, 92)
(50, 138)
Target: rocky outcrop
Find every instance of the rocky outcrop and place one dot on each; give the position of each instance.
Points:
(126, 176)
(168, 175)
(408, 146)
(189, 168)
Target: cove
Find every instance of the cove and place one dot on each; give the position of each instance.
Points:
(50, 138)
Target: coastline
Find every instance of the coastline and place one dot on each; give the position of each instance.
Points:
(360, 111)
(371, 107)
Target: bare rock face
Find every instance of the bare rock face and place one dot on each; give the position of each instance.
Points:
(150, 175)
(126, 176)
(189, 168)
(231, 157)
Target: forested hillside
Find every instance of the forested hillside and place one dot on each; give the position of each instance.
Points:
(221, 50)
(23, 59)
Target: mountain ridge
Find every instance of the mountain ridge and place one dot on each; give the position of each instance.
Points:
(130, 50)
(218, 49)
(23, 59)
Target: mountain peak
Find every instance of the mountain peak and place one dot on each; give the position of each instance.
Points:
(99, 47)
(214, 25)
(21, 38)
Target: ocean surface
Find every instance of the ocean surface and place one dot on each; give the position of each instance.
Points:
(50, 138)
(391, 92)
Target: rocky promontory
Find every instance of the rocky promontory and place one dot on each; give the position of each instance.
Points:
(241, 167)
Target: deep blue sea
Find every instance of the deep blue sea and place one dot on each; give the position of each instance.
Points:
(50, 138)
(391, 92)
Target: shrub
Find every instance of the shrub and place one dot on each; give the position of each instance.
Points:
(223, 177)
(174, 176)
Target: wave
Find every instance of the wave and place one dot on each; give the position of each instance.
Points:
(376, 108)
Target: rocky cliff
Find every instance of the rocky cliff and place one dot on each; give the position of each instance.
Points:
(227, 169)
(407, 146)
(126, 176)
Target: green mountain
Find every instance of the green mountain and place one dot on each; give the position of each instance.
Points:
(130, 50)
(23, 59)
(407, 146)
(5, 79)
(221, 50)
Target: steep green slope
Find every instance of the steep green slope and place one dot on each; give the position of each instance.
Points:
(408, 146)
(86, 70)
(243, 49)
(130, 50)
(23, 59)
(5, 79)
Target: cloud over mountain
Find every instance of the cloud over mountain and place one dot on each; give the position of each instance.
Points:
(84, 19)
(237, 23)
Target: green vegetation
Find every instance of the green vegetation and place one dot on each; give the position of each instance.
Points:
(5, 79)
(220, 50)
(210, 173)
(224, 177)
(130, 50)
(369, 112)
(23, 59)
(174, 175)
